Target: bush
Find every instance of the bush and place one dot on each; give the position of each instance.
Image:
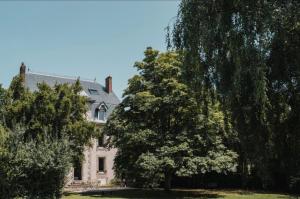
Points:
(34, 168)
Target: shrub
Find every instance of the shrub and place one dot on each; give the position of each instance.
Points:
(34, 168)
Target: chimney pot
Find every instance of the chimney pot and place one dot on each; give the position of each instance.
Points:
(22, 71)
(108, 84)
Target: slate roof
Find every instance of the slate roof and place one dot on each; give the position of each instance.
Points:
(96, 99)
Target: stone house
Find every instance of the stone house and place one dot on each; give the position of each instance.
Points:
(97, 167)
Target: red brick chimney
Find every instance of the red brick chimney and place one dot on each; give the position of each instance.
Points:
(22, 71)
(108, 84)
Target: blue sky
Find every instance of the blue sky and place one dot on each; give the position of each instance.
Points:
(90, 39)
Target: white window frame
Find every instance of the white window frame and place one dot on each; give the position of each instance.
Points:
(103, 107)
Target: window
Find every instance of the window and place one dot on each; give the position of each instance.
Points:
(101, 141)
(93, 91)
(101, 164)
(100, 113)
(77, 170)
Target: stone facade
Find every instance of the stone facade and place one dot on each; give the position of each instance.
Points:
(90, 167)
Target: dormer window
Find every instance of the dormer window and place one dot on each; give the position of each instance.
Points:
(100, 113)
(93, 91)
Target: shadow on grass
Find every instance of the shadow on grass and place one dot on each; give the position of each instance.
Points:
(145, 193)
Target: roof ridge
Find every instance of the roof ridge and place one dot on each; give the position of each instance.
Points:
(62, 76)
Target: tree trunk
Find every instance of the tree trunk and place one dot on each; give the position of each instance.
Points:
(244, 174)
(168, 180)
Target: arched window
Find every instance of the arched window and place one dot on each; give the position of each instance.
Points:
(100, 113)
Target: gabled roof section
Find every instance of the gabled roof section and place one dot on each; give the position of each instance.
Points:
(97, 96)
(83, 93)
(104, 105)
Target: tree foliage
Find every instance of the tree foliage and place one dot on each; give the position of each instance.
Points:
(2, 102)
(157, 131)
(249, 52)
(41, 134)
(56, 111)
(33, 169)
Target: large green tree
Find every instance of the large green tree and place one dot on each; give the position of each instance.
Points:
(249, 52)
(157, 131)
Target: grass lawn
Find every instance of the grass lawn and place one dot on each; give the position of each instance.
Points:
(180, 194)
